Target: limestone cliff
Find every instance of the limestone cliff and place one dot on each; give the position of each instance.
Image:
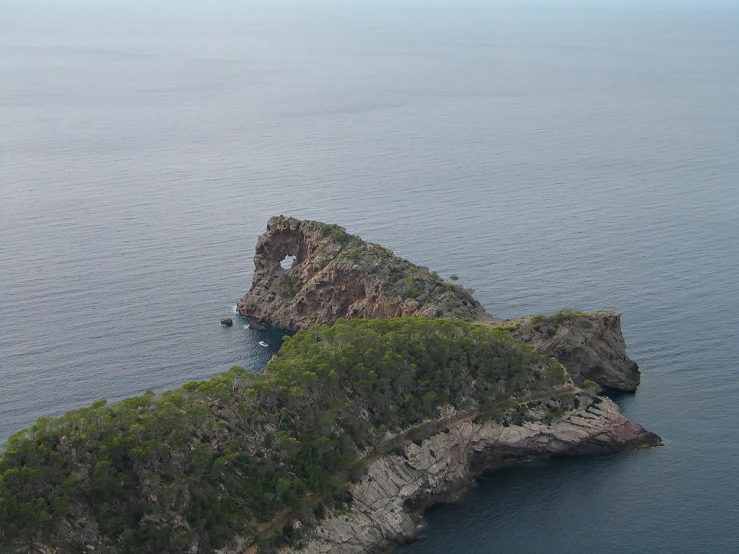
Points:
(336, 275)
(388, 500)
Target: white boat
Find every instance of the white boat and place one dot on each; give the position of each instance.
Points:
(262, 343)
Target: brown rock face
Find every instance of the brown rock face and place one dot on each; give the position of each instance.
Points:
(590, 345)
(336, 275)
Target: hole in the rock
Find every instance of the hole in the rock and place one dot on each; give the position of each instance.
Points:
(287, 262)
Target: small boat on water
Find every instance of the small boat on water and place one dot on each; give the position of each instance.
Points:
(262, 343)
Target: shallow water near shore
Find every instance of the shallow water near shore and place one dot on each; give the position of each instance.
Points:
(549, 157)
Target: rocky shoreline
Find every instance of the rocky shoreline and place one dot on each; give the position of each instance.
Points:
(389, 500)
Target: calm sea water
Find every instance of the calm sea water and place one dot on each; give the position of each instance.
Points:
(554, 156)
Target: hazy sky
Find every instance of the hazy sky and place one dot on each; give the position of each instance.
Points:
(214, 5)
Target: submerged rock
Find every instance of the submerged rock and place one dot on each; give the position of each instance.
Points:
(227, 321)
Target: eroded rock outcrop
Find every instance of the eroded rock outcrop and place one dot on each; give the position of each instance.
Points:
(336, 275)
(590, 345)
(389, 499)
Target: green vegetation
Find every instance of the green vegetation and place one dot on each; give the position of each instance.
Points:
(561, 316)
(337, 233)
(509, 327)
(538, 319)
(568, 314)
(196, 466)
(411, 288)
(290, 284)
(593, 386)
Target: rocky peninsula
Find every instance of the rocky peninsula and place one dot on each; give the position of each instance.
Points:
(395, 392)
(337, 275)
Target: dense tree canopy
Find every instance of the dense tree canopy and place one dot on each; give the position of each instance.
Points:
(212, 460)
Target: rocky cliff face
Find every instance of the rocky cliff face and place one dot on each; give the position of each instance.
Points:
(388, 500)
(590, 345)
(336, 275)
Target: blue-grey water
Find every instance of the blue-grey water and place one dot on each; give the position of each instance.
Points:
(551, 155)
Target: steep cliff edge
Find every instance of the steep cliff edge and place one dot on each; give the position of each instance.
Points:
(389, 499)
(590, 345)
(336, 275)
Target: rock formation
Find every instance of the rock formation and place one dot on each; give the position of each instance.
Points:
(590, 345)
(388, 500)
(336, 275)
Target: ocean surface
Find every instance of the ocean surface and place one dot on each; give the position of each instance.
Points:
(551, 155)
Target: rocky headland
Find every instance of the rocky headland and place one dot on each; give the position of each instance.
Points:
(337, 275)
(590, 345)
(396, 391)
(388, 500)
